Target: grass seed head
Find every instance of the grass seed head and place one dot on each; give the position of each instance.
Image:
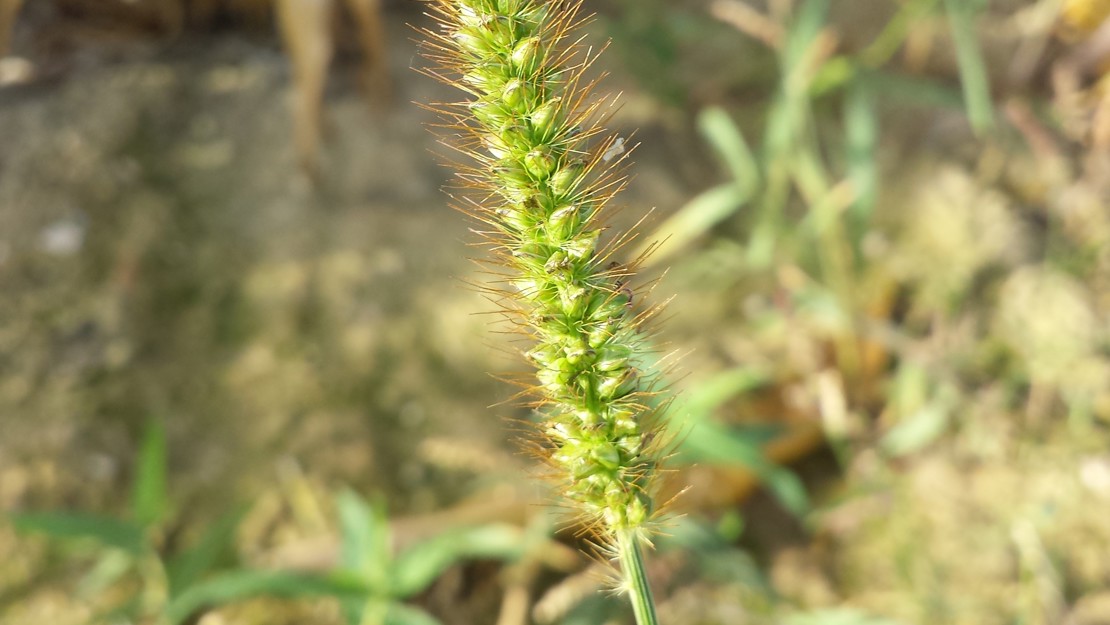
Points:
(533, 170)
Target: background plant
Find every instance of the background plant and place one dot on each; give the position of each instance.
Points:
(159, 255)
(370, 580)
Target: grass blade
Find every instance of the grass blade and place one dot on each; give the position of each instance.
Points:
(422, 563)
(148, 499)
(807, 24)
(401, 614)
(911, 91)
(693, 220)
(861, 144)
(189, 566)
(715, 205)
(105, 530)
(887, 43)
(717, 444)
(110, 567)
(366, 552)
(700, 401)
(237, 585)
(973, 72)
(723, 134)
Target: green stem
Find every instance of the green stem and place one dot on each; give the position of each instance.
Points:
(632, 565)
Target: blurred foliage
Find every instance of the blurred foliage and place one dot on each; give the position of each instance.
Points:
(369, 580)
(890, 248)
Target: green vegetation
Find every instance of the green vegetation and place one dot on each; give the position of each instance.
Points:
(371, 582)
(543, 190)
(881, 228)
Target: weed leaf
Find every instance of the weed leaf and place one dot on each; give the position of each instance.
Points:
(148, 500)
(400, 614)
(973, 72)
(105, 530)
(715, 443)
(422, 563)
(189, 566)
(243, 584)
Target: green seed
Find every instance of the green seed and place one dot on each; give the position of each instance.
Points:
(540, 162)
(573, 299)
(545, 118)
(618, 385)
(606, 455)
(614, 357)
(526, 56)
(583, 246)
(473, 40)
(489, 113)
(567, 178)
(563, 223)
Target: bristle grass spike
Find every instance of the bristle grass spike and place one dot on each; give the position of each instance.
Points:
(538, 175)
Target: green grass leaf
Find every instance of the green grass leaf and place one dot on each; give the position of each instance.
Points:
(366, 536)
(725, 137)
(711, 207)
(148, 499)
(365, 548)
(911, 91)
(110, 567)
(422, 563)
(973, 72)
(861, 128)
(719, 560)
(714, 443)
(704, 211)
(710, 441)
(107, 531)
(893, 35)
(804, 28)
(699, 402)
(832, 75)
(401, 614)
(190, 565)
(237, 585)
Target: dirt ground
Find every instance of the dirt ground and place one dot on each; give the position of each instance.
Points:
(162, 256)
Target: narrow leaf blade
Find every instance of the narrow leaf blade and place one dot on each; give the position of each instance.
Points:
(366, 552)
(189, 566)
(711, 442)
(862, 141)
(708, 395)
(973, 71)
(724, 135)
(244, 584)
(401, 614)
(148, 500)
(695, 219)
(422, 563)
(107, 531)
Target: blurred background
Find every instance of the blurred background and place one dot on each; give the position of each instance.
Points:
(242, 380)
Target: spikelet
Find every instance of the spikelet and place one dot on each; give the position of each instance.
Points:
(539, 175)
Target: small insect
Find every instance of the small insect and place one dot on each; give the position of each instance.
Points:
(628, 294)
(620, 282)
(614, 150)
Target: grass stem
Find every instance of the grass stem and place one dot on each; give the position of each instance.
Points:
(632, 566)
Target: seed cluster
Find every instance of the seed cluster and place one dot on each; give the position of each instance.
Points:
(541, 189)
